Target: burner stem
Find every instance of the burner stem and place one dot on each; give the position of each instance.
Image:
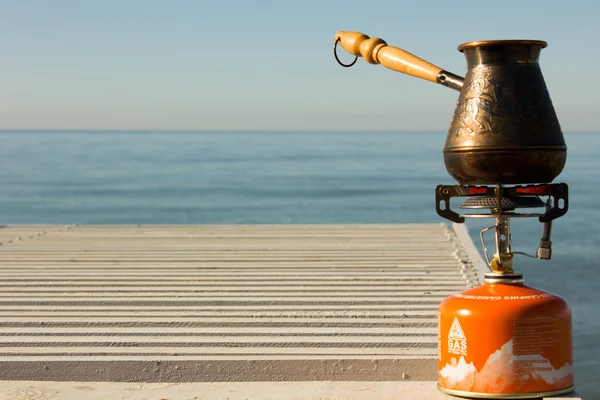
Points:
(502, 261)
(502, 235)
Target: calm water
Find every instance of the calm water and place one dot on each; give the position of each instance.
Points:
(253, 177)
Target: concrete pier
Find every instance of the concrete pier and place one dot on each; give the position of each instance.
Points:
(302, 311)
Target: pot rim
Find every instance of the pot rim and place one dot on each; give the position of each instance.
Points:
(482, 43)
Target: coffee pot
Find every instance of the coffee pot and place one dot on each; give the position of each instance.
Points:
(504, 129)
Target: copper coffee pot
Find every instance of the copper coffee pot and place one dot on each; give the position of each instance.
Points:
(504, 129)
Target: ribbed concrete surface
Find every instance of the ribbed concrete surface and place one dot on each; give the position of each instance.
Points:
(225, 303)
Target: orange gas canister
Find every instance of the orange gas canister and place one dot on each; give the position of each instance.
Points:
(505, 339)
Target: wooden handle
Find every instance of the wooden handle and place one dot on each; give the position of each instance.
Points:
(376, 51)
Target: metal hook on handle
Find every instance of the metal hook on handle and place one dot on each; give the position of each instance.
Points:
(336, 56)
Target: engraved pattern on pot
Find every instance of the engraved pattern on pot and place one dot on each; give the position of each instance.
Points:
(482, 108)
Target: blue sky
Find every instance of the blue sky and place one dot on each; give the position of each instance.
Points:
(144, 64)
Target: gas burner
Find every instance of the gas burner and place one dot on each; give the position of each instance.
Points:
(503, 200)
(484, 202)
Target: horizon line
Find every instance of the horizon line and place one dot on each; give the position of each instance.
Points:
(206, 130)
(244, 130)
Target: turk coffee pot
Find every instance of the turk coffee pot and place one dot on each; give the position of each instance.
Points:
(504, 129)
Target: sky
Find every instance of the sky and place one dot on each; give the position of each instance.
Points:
(268, 65)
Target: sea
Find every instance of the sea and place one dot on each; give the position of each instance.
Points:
(257, 177)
